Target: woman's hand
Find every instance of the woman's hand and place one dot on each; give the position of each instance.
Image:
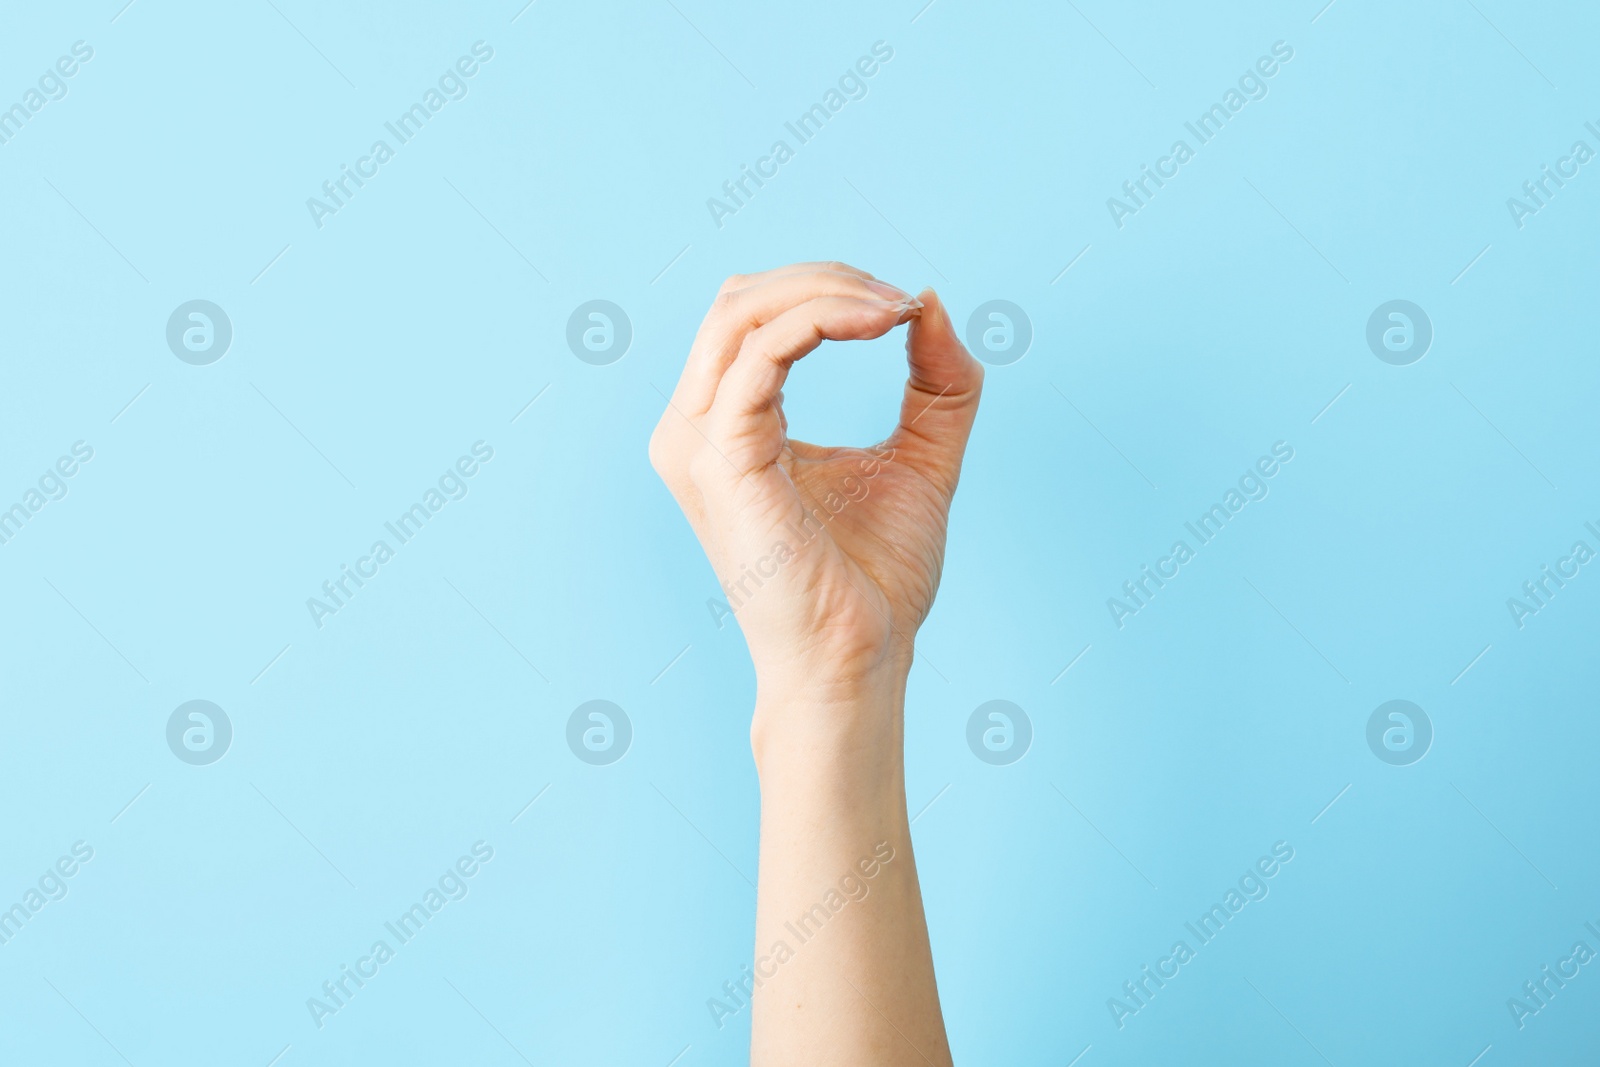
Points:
(829, 556)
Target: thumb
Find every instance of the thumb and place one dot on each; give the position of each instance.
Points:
(942, 389)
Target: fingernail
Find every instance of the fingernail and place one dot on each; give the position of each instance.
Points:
(884, 289)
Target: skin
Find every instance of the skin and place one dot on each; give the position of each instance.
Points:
(839, 552)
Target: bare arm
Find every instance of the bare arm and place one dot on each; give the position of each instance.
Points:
(838, 890)
(830, 558)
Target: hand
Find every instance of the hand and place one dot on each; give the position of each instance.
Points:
(830, 556)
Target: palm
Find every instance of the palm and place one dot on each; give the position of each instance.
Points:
(872, 568)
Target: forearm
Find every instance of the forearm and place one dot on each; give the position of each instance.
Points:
(841, 940)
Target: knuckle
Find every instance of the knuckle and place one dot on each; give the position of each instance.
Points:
(668, 451)
(659, 459)
(731, 283)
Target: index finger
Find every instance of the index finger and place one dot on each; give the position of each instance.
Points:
(747, 301)
(740, 424)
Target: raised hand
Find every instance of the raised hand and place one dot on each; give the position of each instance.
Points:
(830, 556)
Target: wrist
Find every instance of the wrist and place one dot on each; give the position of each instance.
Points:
(827, 725)
(838, 673)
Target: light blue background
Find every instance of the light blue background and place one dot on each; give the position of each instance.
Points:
(371, 753)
